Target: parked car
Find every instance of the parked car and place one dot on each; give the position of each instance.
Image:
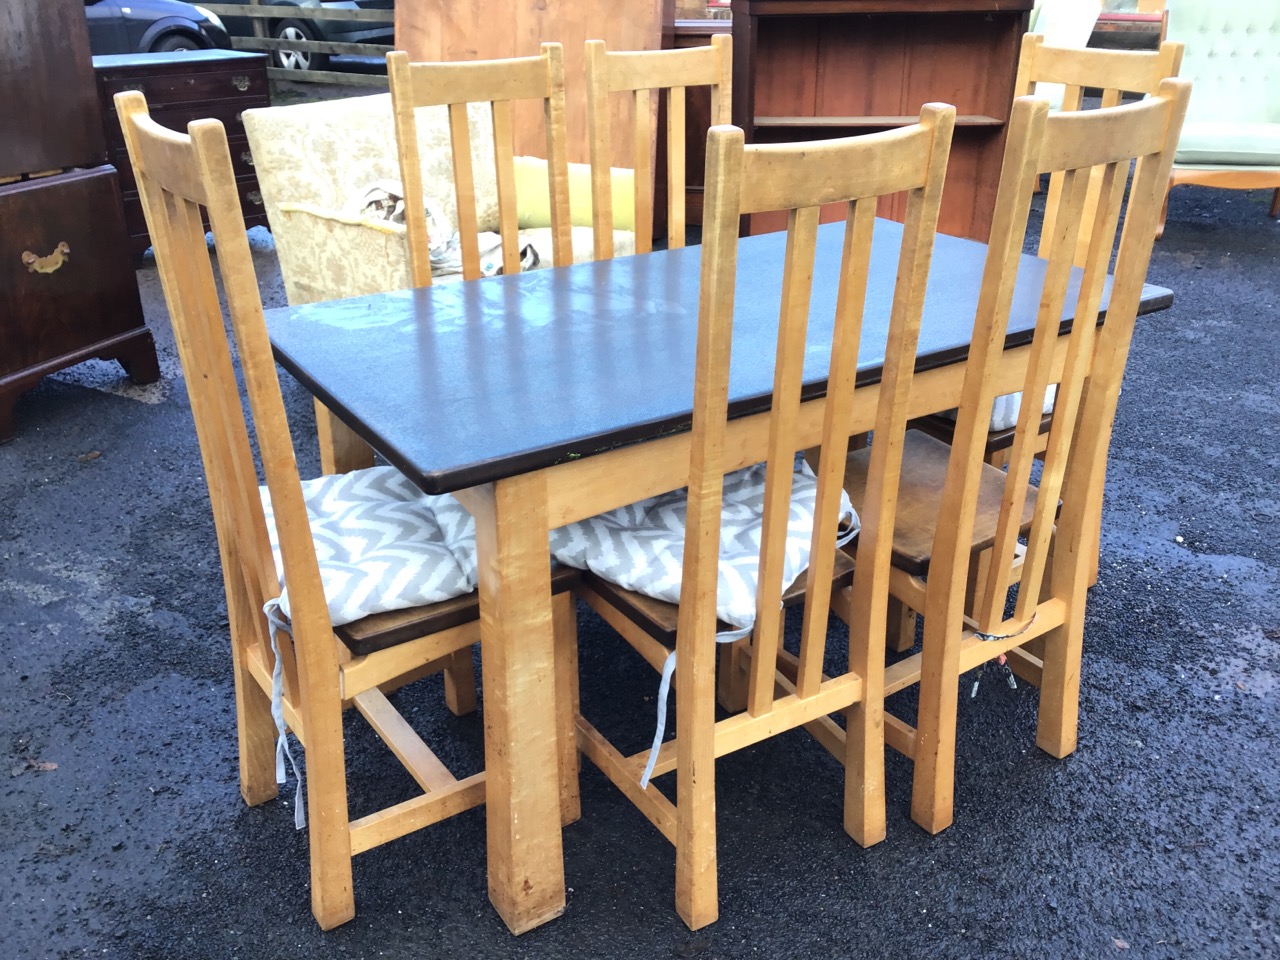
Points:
(151, 26)
(293, 25)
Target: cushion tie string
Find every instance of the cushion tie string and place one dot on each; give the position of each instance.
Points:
(276, 621)
(664, 691)
(1007, 636)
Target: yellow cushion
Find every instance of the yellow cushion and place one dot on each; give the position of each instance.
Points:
(533, 196)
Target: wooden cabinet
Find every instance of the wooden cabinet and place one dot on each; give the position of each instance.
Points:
(810, 69)
(67, 289)
(181, 87)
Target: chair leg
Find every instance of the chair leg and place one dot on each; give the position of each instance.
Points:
(564, 615)
(1275, 204)
(933, 779)
(732, 680)
(900, 627)
(460, 683)
(697, 894)
(1164, 213)
(328, 822)
(1058, 720)
(256, 731)
(341, 449)
(864, 800)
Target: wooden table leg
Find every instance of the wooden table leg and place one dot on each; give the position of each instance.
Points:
(526, 857)
(341, 449)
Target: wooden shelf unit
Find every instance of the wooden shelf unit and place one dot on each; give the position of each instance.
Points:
(810, 69)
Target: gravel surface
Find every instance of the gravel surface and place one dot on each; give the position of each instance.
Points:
(124, 836)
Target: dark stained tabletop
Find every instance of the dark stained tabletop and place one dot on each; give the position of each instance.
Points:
(467, 383)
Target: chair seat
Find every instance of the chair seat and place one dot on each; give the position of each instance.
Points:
(383, 630)
(396, 563)
(641, 546)
(924, 471)
(381, 543)
(1229, 143)
(659, 619)
(942, 426)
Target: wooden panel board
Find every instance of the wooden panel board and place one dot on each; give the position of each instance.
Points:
(49, 111)
(861, 63)
(941, 63)
(492, 29)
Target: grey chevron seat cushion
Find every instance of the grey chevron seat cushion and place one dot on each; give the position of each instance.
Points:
(640, 547)
(382, 543)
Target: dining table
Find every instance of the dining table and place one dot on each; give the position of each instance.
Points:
(548, 396)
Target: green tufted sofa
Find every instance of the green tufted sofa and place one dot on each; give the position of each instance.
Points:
(1231, 137)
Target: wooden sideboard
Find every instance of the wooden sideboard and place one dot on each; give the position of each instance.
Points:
(181, 87)
(812, 69)
(67, 289)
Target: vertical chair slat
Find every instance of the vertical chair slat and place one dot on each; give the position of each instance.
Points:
(793, 323)
(855, 260)
(642, 147)
(464, 185)
(555, 119)
(599, 147)
(675, 167)
(505, 166)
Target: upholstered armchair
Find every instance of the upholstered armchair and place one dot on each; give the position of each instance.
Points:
(1231, 137)
(315, 160)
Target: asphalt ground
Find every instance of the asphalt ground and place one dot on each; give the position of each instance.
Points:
(123, 835)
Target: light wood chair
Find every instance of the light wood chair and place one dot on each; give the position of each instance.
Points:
(784, 691)
(319, 670)
(642, 73)
(952, 504)
(1114, 73)
(498, 83)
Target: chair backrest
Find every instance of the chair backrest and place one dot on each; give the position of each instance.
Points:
(498, 83)
(1114, 72)
(800, 178)
(1075, 457)
(641, 73)
(177, 175)
(1233, 57)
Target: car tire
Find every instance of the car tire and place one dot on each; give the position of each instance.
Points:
(297, 59)
(173, 42)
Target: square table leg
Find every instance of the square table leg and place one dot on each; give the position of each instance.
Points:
(526, 858)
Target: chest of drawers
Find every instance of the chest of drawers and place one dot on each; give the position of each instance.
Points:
(181, 87)
(67, 290)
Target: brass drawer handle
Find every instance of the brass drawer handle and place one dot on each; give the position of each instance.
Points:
(254, 197)
(246, 158)
(61, 254)
(240, 83)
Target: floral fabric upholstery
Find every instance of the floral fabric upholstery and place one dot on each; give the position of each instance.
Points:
(312, 159)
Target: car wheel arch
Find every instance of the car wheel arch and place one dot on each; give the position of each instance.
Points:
(170, 27)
